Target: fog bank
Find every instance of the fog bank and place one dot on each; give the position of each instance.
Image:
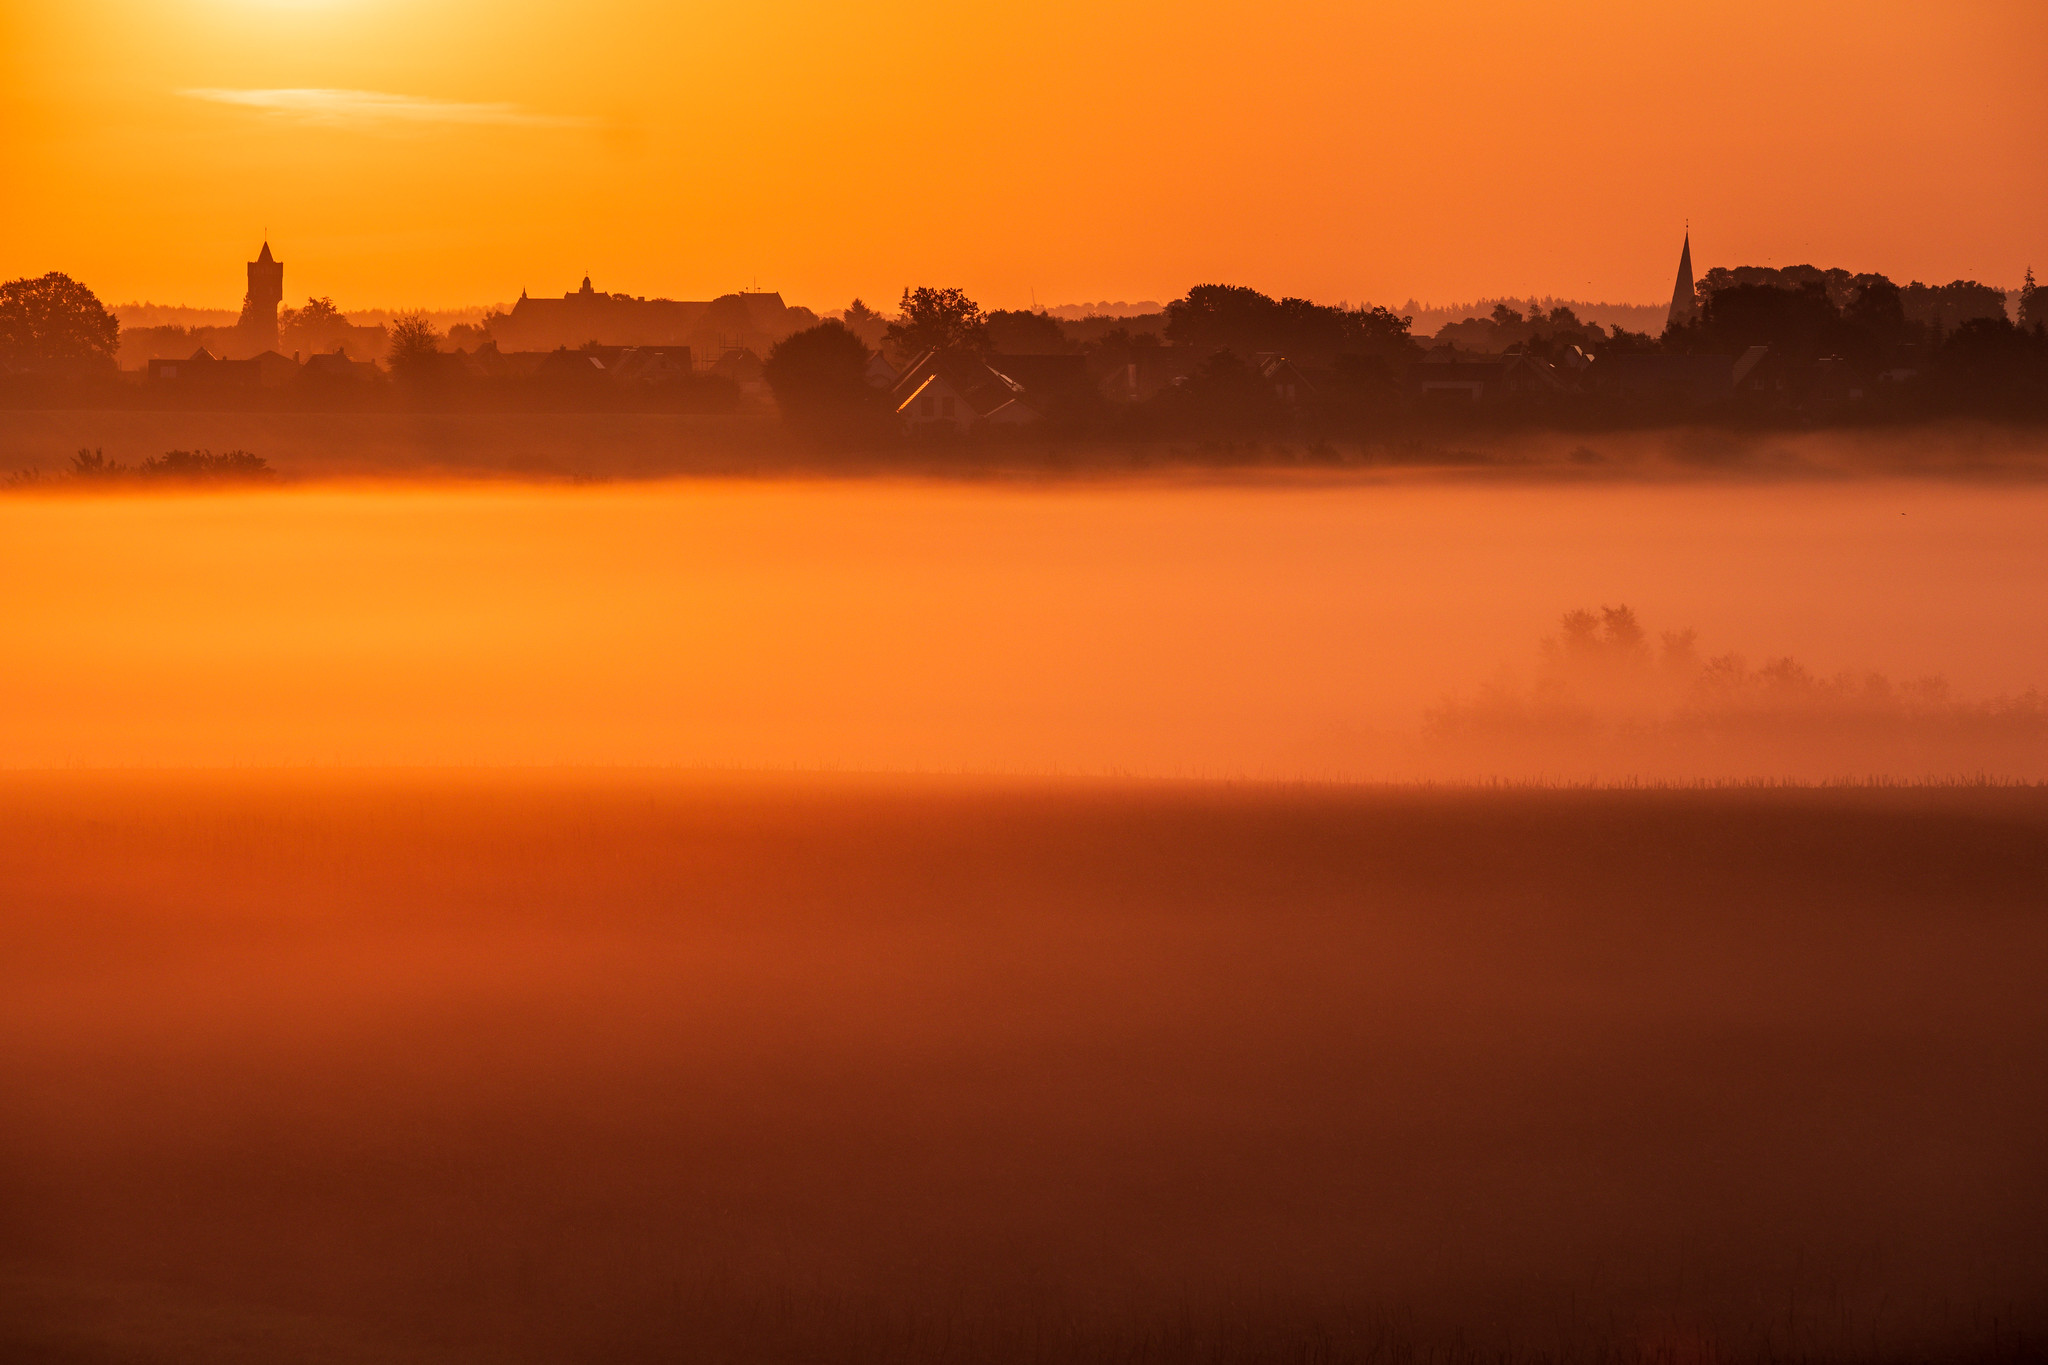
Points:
(1261, 629)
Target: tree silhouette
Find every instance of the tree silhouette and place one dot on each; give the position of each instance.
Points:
(1223, 396)
(1232, 317)
(1021, 333)
(1878, 308)
(1789, 321)
(937, 319)
(203, 466)
(865, 323)
(55, 320)
(1218, 316)
(173, 466)
(414, 344)
(313, 327)
(819, 375)
(2033, 302)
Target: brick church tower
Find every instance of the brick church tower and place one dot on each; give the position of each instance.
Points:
(259, 309)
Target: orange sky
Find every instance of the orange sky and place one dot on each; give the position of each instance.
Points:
(1363, 150)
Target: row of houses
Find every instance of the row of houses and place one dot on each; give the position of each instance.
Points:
(626, 367)
(1760, 375)
(963, 391)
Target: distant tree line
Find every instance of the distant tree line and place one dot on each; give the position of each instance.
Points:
(1223, 361)
(1798, 345)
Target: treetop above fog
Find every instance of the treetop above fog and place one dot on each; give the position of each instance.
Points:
(936, 319)
(1233, 317)
(55, 320)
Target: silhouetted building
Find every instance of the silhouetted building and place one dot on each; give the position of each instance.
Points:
(1447, 375)
(587, 315)
(880, 374)
(202, 371)
(1664, 381)
(1147, 370)
(1685, 303)
(651, 367)
(961, 391)
(335, 369)
(1049, 378)
(745, 321)
(258, 324)
(1288, 383)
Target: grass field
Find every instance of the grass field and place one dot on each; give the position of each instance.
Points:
(327, 1067)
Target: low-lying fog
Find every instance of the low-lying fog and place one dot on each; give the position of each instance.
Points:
(1265, 628)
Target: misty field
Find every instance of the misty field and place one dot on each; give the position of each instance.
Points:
(633, 1068)
(1251, 626)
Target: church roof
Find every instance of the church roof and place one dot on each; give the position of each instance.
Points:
(1684, 302)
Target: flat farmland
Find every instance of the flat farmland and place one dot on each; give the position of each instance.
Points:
(624, 1067)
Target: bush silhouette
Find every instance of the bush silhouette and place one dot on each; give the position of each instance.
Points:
(819, 377)
(92, 467)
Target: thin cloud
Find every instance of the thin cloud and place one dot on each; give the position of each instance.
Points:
(375, 109)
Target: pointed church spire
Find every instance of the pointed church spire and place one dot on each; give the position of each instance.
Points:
(1685, 304)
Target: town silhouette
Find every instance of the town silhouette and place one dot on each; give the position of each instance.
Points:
(1799, 345)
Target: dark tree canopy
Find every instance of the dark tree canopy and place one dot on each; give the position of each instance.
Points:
(937, 319)
(1990, 365)
(1119, 345)
(414, 344)
(1877, 308)
(865, 323)
(1624, 342)
(820, 374)
(1948, 306)
(55, 320)
(1223, 316)
(187, 466)
(1538, 333)
(2033, 302)
(1223, 396)
(1019, 332)
(1837, 284)
(1744, 315)
(317, 326)
(319, 312)
(1246, 322)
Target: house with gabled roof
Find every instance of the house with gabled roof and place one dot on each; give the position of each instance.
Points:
(1146, 371)
(1450, 375)
(203, 368)
(1288, 383)
(880, 374)
(1051, 379)
(961, 391)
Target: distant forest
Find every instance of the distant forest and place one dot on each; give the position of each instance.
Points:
(1801, 345)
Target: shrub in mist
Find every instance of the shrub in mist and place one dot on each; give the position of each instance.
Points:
(414, 346)
(819, 379)
(92, 469)
(1603, 697)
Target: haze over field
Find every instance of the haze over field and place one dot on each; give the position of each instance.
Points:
(1255, 627)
